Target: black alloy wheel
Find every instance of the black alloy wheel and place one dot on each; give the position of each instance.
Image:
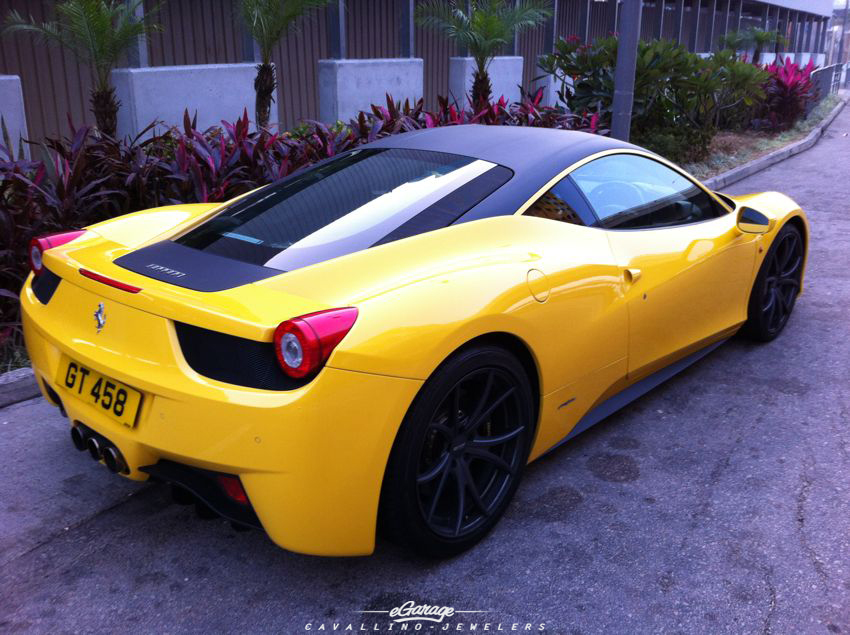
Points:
(777, 286)
(459, 454)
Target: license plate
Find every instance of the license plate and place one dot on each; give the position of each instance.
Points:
(115, 399)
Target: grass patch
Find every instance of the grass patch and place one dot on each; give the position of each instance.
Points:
(731, 149)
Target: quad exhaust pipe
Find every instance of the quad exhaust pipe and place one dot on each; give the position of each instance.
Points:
(99, 448)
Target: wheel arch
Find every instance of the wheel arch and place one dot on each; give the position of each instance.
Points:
(798, 222)
(520, 349)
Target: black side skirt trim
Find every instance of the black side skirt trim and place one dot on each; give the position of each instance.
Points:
(625, 397)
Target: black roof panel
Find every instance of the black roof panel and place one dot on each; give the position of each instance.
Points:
(535, 155)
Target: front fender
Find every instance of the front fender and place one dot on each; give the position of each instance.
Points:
(782, 209)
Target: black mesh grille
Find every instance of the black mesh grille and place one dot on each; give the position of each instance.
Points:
(44, 285)
(233, 360)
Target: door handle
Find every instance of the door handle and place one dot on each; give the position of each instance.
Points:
(631, 275)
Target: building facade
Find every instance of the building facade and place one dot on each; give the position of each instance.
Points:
(56, 87)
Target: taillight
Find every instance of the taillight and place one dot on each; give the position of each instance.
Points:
(41, 244)
(303, 344)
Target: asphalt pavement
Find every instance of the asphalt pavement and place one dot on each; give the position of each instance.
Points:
(718, 503)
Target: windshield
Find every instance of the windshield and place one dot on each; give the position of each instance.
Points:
(353, 202)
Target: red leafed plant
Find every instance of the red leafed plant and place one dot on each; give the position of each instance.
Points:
(788, 90)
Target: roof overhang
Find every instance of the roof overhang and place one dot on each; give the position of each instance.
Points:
(818, 7)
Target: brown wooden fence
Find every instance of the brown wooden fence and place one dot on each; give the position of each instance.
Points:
(208, 31)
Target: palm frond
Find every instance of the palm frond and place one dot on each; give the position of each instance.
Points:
(97, 32)
(487, 27)
(269, 20)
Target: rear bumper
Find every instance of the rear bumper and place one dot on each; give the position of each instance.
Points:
(311, 460)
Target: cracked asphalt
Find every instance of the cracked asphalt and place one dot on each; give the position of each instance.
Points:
(718, 503)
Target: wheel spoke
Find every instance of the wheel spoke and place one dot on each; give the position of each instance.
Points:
(438, 493)
(473, 488)
(455, 407)
(774, 315)
(485, 396)
(787, 299)
(483, 416)
(789, 272)
(460, 480)
(488, 456)
(497, 440)
(435, 471)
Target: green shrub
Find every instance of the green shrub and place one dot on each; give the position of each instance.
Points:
(680, 99)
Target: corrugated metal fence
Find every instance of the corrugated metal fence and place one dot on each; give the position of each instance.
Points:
(209, 31)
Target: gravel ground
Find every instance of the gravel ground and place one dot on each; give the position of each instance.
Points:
(718, 503)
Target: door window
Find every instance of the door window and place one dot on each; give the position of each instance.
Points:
(627, 191)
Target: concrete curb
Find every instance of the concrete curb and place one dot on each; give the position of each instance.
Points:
(762, 163)
(17, 385)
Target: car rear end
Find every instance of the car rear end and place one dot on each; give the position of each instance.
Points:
(178, 348)
(185, 386)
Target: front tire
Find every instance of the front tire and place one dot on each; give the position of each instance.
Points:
(776, 287)
(459, 454)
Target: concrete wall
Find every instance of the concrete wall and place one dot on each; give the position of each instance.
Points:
(12, 110)
(214, 91)
(505, 76)
(348, 86)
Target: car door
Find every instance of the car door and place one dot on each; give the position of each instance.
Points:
(687, 268)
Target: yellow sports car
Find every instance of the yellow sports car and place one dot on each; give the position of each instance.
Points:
(386, 338)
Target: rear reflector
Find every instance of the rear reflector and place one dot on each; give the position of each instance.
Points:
(109, 281)
(232, 487)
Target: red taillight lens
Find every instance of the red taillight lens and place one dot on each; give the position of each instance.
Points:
(39, 245)
(232, 487)
(303, 344)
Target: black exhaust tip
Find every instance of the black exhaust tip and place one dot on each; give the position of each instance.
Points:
(114, 460)
(78, 438)
(94, 447)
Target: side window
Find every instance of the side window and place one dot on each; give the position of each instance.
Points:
(563, 203)
(632, 192)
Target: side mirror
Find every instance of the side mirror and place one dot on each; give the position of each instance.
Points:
(751, 221)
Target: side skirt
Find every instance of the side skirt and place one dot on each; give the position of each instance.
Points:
(628, 395)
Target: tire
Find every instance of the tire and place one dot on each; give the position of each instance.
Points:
(776, 287)
(459, 454)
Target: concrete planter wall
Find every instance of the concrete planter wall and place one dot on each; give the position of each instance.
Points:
(505, 76)
(12, 110)
(214, 91)
(348, 86)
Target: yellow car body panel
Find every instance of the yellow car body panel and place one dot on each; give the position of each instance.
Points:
(597, 311)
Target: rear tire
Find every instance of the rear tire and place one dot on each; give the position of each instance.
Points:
(776, 287)
(459, 454)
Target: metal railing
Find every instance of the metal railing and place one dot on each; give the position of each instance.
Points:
(827, 81)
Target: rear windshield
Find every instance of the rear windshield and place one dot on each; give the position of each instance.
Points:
(358, 200)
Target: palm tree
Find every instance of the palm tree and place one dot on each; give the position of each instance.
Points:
(268, 21)
(98, 33)
(754, 38)
(760, 39)
(482, 27)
